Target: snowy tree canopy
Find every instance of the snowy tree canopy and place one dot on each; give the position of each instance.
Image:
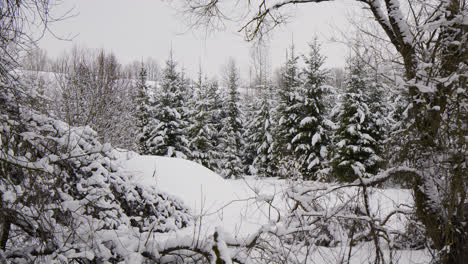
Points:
(167, 128)
(357, 139)
(230, 134)
(311, 139)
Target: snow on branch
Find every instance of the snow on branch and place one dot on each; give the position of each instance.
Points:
(385, 175)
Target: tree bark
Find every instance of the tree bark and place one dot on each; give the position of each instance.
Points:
(4, 231)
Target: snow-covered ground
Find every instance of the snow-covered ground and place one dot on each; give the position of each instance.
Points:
(240, 207)
(230, 204)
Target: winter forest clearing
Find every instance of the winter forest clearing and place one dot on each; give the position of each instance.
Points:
(110, 162)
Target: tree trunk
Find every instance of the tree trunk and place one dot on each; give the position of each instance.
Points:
(439, 148)
(4, 231)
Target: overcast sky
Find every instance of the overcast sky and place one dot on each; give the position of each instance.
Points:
(138, 29)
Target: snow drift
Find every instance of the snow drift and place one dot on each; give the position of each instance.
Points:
(232, 205)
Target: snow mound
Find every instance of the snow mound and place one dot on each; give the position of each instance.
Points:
(214, 201)
(197, 186)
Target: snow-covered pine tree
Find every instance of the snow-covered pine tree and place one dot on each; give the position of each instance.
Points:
(357, 138)
(143, 110)
(310, 143)
(250, 102)
(202, 132)
(216, 116)
(380, 106)
(230, 134)
(287, 113)
(169, 117)
(262, 138)
(187, 88)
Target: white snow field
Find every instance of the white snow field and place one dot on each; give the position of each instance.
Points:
(240, 208)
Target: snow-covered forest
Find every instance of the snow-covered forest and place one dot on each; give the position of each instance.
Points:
(109, 162)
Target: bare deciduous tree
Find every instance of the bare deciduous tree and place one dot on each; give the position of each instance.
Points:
(93, 91)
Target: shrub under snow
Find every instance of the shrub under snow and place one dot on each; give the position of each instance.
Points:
(64, 198)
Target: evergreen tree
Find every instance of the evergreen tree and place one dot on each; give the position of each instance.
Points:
(311, 140)
(358, 136)
(216, 116)
(381, 106)
(169, 123)
(287, 113)
(230, 134)
(203, 130)
(143, 110)
(263, 139)
(249, 105)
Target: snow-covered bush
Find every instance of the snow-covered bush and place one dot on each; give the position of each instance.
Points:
(332, 217)
(64, 197)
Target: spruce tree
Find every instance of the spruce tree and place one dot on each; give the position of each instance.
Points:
(263, 138)
(310, 143)
(249, 105)
(287, 113)
(168, 134)
(216, 116)
(143, 110)
(230, 134)
(380, 106)
(358, 136)
(203, 130)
